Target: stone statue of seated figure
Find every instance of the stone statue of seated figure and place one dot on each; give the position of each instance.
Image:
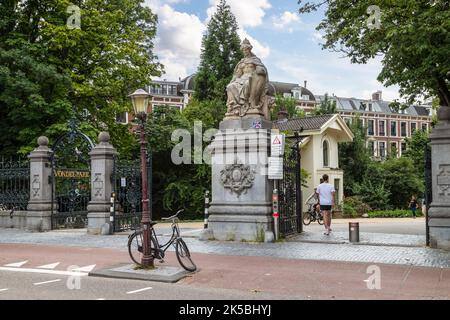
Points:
(247, 91)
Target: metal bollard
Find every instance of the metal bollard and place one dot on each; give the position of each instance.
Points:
(275, 215)
(353, 231)
(112, 212)
(205, 225)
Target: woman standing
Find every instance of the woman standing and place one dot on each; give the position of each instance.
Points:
(413, 206)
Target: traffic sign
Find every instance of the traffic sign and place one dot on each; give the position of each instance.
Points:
(277, 145)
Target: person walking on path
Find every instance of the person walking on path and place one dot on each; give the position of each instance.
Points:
(413, 206)
(325, 192)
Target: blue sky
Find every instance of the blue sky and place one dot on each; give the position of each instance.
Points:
(287, 43)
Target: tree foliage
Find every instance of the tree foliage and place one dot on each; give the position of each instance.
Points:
(286, 104)
(326, 106)
(413, 38)
(48, 69)
(415, 149)
(220, 54)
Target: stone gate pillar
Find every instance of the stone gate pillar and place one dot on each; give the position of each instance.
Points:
(39, 210)
(241, 207)
(102, 163)
(439, 213)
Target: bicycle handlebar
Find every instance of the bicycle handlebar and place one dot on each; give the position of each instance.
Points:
(174, 216)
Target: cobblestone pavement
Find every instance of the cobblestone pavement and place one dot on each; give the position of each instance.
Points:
(416, 256)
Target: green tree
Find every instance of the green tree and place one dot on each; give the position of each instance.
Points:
(220, 54)
(354, 157)
(415, 149)
(33, 93)
(48, 69)
(402, 181)
(326, 106)
(413, 37)
(287, 104)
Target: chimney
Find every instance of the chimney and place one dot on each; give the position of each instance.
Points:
(377, 96)
(283, 115)
(305, 84)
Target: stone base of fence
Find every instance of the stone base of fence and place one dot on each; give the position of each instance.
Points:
(17, 219)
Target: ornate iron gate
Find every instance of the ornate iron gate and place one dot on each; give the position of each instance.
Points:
(289, 188)
(128, 194)
(71, 179)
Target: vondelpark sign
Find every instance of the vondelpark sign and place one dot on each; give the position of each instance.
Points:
(72, 174)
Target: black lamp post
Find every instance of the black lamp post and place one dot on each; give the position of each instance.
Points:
(140, 99)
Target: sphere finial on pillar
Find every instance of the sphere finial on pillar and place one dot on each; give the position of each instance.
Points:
(104, 137)
(42, 141)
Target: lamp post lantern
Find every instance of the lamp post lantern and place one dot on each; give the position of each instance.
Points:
(140, 99)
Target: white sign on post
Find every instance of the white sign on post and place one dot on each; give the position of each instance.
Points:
(277, 145)
(275, 168)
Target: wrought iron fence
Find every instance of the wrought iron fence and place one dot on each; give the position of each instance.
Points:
(14, 184)
(128, 194)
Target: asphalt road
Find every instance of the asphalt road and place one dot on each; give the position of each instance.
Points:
(32, 286)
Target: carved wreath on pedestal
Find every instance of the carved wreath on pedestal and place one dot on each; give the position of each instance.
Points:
(237, 177)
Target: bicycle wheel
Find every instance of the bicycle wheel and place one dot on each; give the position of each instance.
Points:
(136, 248)
(307, 218)
(184, 256)
(320, 218)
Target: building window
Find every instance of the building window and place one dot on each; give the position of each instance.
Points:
(393, 128)
(325, 154)
(370, 128)
(371, 148)
(172, 90)
(348, 121)
(413, 127)
(287, 95)
(394, 149)
(297, 95)
(403, 129)
(403, 147)
(122, 117)
(370, 107)
(424, 127)
(381, 128)
(305, 97)
(382, 152)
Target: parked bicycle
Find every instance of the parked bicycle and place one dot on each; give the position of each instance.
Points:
(312, 215)
(135, 245)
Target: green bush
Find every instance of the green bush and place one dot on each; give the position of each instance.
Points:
(393, 214)
(354, 207)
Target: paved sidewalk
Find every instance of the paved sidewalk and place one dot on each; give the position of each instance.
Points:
(417, 256)
(365, 238)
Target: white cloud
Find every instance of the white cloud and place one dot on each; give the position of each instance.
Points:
(249, 13)
(178, 41)
(285, 20)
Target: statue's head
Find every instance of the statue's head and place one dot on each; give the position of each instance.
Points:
(246, 46)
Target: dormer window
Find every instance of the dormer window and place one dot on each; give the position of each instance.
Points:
(296, 95)
(305, 97)
(287, 95)
(362, 106)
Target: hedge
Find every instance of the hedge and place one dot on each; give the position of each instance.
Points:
(393, 214)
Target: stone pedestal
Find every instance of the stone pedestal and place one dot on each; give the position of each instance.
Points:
(241, 207)
(439, 213)
(39, 210)
(102, 164)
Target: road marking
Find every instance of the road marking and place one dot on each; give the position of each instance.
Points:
(100, 299)
(16, 264)
(49, 266)
(1, 290)
(45, 282)
(86, 268)
(62, 273)
(140, 290)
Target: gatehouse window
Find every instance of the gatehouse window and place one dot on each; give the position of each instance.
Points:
(325, 154)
